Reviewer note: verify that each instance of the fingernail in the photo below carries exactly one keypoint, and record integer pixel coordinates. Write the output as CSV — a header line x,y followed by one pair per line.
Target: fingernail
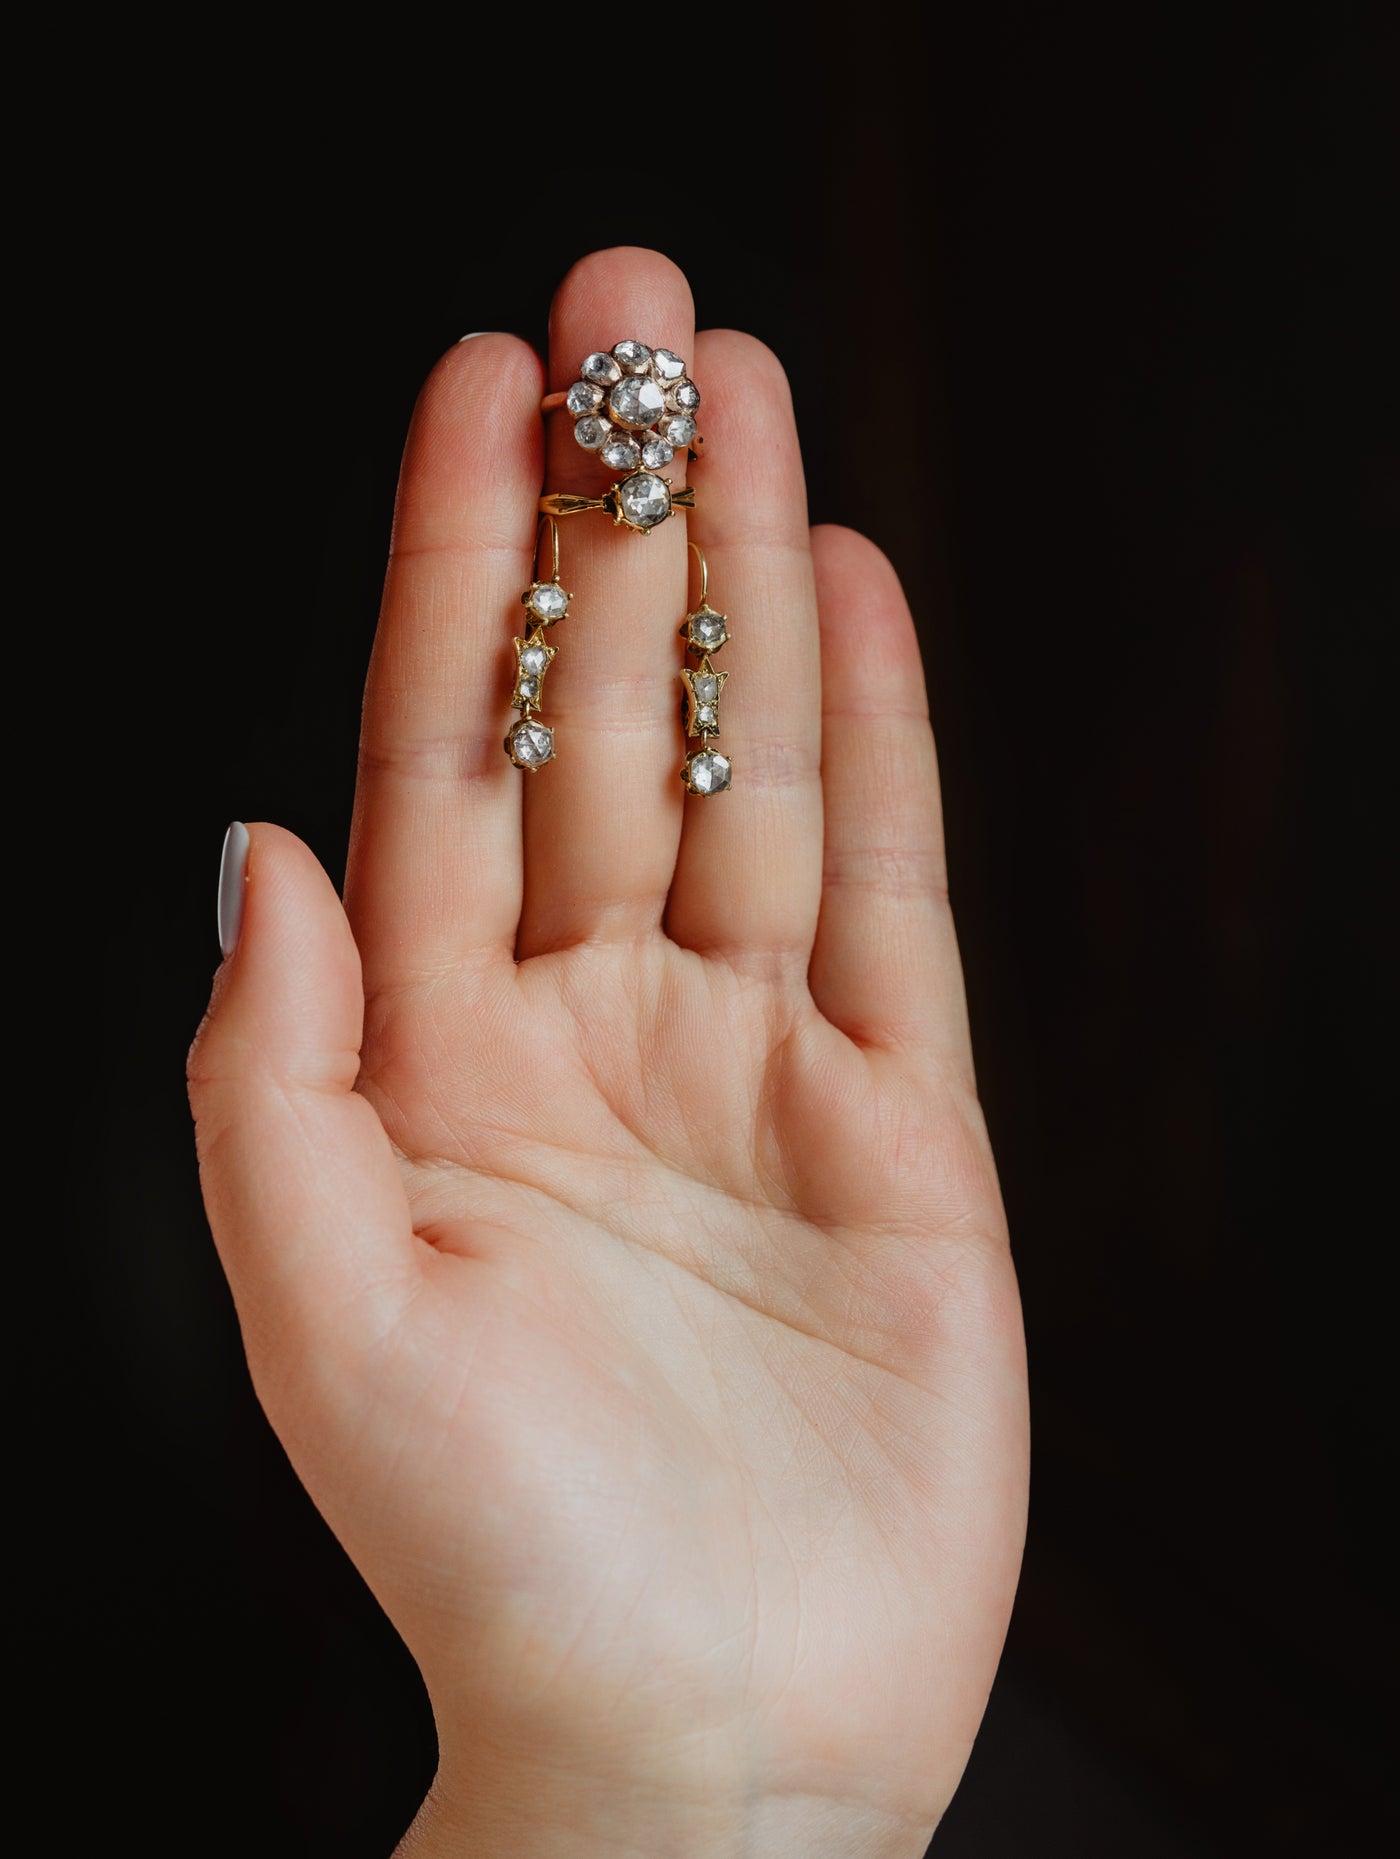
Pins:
x,y
232,866
472,335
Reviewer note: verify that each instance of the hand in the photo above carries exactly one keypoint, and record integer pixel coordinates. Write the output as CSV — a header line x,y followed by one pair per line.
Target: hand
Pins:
x,y
603,1189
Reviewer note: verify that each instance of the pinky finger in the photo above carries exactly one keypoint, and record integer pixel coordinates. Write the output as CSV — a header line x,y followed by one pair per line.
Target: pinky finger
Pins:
x,y
885,966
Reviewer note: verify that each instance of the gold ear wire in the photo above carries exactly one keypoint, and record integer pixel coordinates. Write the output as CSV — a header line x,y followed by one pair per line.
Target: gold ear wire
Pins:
x,y
699,555
554,547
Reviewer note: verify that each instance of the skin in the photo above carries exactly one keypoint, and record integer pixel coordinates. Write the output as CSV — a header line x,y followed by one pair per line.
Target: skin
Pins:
x,y
603,1186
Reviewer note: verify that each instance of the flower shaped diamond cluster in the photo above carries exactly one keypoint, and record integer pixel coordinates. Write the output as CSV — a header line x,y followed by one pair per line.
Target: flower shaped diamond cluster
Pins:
x,y
634,407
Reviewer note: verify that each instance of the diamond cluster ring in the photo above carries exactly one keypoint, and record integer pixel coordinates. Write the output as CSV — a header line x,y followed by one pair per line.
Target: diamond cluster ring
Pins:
x,y
634,409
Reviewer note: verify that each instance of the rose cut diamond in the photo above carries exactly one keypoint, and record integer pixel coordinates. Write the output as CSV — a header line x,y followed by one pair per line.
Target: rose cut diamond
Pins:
x,y
632,357
533,659
707,629
530,689
645,501
548,601
601,368
621,455
591,432
583,396
636,402
531,743
684,397
656,453
678,428
666,365
707,771
706,715
706,688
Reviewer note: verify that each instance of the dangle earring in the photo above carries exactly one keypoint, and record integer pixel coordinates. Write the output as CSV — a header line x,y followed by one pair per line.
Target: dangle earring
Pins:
x,y
707,769
530,743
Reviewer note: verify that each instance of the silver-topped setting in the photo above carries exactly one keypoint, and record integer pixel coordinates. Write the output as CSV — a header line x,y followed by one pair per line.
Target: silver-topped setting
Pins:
x,y
592,432
621,454
601,368
636,402
636,393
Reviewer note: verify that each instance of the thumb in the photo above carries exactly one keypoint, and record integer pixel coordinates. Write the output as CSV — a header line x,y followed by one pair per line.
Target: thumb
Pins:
x,y
300,1183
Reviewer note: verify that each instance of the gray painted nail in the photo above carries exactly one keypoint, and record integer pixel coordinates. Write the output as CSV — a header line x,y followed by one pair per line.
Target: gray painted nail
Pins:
x,y
232,865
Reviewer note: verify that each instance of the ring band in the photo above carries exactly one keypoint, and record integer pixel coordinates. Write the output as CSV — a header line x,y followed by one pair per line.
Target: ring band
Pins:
x,y
639,502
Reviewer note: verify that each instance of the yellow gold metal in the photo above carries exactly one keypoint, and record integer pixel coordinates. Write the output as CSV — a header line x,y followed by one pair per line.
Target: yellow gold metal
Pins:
x,y
554,548
566,503
703,612
527,599
521,698
693,725
699,555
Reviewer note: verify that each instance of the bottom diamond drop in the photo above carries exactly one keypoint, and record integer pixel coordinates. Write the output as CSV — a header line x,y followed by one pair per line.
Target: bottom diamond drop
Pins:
x,y
530,744
706,772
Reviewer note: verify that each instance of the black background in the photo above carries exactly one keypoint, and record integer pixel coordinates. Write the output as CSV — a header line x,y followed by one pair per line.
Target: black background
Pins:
x,y
1088,324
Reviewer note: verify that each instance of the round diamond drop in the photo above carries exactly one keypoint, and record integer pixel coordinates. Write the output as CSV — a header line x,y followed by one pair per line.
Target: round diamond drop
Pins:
x,y
591,432
666,365
707,771
533,659
679,429
601,368
645,500
636,401
656,453
548,601
632,357
531,743
583,396
621,455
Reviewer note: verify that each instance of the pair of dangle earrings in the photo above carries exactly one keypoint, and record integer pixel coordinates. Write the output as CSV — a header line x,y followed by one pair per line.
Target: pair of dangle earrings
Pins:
x,y
634,408
530,742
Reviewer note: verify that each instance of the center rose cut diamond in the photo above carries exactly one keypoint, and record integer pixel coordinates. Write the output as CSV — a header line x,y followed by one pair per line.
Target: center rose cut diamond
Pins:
x,y
636,402
644,500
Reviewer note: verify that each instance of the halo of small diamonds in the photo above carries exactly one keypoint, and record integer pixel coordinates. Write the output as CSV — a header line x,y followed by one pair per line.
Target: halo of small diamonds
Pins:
x,y
636,395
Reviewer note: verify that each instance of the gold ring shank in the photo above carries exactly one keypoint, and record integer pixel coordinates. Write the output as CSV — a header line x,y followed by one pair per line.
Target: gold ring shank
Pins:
x,y
568,503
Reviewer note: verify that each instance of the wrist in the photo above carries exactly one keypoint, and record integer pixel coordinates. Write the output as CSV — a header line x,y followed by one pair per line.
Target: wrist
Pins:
x,y
536,1816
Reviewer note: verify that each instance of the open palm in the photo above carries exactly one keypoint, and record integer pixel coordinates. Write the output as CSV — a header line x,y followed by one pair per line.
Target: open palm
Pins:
x,y
612,1224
